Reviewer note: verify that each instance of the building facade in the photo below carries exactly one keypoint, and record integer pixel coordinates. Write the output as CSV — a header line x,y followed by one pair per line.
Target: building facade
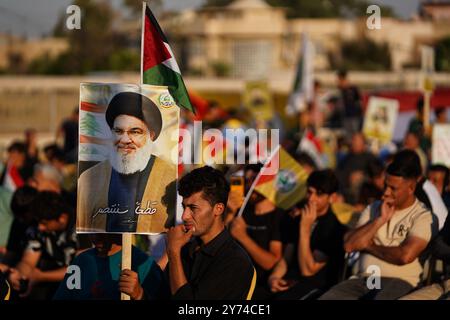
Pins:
x,y
253,39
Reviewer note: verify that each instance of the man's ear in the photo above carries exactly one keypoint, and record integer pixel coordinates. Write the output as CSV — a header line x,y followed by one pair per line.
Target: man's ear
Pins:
x,y
63,218
219,208
412,186
334,197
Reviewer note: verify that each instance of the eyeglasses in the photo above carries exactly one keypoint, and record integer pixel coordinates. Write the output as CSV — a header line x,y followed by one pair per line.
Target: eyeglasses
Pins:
x,y
135,133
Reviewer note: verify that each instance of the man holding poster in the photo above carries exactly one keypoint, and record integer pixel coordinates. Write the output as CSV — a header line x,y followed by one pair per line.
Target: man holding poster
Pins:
x,y
130,190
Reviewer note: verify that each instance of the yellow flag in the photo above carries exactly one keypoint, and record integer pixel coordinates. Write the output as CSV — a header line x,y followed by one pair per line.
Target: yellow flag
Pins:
x,y
287,186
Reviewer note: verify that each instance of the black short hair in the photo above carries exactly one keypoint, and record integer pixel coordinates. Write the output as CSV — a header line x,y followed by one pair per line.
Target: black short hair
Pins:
x,y
59,155
438,110
49,206
375,169
255,167
342,73
441,168
50,151
305,159
18,147
406,164
419,104
324,181
22,203
207,179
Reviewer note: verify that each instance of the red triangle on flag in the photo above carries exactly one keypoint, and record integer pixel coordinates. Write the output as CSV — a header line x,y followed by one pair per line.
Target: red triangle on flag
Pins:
x,y
155,52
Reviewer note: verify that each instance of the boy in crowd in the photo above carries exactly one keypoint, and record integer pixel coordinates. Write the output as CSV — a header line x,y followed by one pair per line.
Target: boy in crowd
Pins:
x,y
313,253
101,277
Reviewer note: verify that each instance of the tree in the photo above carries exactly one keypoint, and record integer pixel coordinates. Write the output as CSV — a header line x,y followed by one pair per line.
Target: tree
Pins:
x,y
136,5
362,54
97,46
91,45
317,8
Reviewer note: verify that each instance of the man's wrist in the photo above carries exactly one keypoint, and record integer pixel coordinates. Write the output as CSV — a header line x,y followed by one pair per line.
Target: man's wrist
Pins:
x,y
174,253
243,237
140,294
306,226
38,275
380,221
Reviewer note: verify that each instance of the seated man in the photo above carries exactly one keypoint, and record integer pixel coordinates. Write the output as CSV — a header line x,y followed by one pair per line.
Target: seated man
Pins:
x,y
391,234
101,277
440,250
204,261
50,249
314,254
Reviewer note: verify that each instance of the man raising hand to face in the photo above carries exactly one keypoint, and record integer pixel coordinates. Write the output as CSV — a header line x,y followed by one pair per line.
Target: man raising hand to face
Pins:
x,y
204,261
390,234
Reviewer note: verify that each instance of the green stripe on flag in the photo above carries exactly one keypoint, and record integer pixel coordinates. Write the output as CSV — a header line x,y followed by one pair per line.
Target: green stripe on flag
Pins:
x,y
161,75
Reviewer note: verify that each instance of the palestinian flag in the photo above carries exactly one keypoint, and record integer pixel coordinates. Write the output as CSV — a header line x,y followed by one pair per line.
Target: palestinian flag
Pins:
x,y
159,66
285,187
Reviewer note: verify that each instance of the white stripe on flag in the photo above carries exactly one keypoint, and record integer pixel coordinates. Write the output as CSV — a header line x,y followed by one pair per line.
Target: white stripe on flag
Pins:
x,y
171,63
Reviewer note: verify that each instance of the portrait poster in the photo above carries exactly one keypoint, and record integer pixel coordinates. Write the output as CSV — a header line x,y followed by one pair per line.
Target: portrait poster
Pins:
x,y
380,118
128,157
440,150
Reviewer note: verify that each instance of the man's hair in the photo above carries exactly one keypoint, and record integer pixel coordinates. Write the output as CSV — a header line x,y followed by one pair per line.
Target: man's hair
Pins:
x,y
22,202
305,159
255,167
49,172
375,169
49,206
443,169
58,155
17,147
52,148
324,181
414,134
420,104
342,73
406,164
439,110
135,105
210,181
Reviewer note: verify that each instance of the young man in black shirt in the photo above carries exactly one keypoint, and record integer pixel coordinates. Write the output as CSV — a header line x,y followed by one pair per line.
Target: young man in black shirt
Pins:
x,y
313,253
204,261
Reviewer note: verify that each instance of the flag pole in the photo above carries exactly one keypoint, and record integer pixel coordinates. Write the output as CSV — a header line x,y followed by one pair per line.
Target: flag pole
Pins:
x,y
249,193
144,5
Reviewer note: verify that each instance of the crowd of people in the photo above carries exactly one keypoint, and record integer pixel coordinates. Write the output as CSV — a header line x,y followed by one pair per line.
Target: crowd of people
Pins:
x,y
382,245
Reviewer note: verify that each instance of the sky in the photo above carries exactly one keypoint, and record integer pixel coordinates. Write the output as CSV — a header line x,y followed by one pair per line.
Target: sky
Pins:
x,y
34,18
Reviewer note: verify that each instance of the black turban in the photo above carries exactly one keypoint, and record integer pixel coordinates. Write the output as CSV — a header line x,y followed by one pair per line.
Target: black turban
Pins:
x,y
136,105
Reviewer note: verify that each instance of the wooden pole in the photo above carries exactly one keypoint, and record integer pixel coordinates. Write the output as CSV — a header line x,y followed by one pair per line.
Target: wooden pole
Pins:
x,y
127,238
126,257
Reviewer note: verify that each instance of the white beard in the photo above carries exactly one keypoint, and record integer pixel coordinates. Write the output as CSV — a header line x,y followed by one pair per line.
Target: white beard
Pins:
x,y
131,163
